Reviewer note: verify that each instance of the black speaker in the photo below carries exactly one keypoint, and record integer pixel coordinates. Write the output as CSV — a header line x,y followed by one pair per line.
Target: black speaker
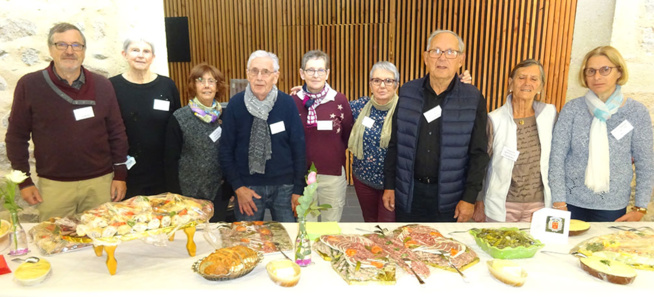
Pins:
x,y
177,39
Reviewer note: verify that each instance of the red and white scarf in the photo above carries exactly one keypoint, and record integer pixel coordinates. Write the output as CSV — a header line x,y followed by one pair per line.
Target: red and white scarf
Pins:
x,y
311,101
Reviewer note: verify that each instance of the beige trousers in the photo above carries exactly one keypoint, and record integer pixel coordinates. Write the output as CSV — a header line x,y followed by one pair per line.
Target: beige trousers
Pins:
x,y
64,198
331,190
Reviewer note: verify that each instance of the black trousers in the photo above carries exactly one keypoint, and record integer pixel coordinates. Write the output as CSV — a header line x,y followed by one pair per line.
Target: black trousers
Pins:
x,y
425,206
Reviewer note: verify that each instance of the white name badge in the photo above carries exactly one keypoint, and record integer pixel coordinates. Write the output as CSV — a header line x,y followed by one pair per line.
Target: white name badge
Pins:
x,y
215,135
622,130
277,127
550,225
161,105
510,153
433,114
130,162
368,122
83,113
325,125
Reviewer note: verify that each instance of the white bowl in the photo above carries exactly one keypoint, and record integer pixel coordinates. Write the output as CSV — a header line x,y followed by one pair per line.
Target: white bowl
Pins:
x,y
4,234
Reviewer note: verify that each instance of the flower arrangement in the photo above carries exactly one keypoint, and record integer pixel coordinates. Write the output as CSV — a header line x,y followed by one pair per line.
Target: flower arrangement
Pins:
x,y
305,207
8,193
306,204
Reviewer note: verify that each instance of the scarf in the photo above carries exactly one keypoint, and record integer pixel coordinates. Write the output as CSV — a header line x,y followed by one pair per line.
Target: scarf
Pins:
x,y
260,149
205,113
355,144
598,175
311,101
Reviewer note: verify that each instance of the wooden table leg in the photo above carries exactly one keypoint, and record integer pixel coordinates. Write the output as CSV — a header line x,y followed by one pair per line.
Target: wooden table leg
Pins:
x,y
111,260
98,250
190,244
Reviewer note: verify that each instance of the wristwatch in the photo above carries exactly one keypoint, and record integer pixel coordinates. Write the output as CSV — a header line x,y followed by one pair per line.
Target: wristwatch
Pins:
x,y
640,209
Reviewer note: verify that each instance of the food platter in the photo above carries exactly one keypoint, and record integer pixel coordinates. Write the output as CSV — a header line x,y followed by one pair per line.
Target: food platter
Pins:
x,y
635,248
233,262
266,237
506,243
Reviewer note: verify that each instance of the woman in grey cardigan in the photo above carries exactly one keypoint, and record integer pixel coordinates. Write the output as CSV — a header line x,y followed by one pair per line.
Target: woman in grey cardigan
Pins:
x,y
193,141
596,140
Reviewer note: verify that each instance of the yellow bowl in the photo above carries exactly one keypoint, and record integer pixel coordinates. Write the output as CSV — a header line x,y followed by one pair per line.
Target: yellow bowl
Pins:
x,y
284,272
4,234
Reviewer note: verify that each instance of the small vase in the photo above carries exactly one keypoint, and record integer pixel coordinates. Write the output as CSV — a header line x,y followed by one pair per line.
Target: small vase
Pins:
x,y
302,244
17,237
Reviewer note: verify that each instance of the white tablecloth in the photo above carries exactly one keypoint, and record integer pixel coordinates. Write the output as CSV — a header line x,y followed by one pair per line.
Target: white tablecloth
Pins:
x,y
147,270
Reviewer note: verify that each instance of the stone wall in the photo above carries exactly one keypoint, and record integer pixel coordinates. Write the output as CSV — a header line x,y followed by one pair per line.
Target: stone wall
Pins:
x,y
627,25
24,26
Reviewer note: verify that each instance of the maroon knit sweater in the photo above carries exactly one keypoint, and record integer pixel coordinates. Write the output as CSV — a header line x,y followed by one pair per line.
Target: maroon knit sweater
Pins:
x,y
326,149
66,149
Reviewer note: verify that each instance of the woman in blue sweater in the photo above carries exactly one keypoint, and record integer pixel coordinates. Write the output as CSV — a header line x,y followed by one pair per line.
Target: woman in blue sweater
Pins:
x,y
596,140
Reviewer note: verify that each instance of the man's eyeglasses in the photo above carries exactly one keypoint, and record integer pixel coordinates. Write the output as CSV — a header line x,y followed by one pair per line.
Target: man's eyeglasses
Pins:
x,y
379,81
450,53
264,72
604,71
62,46
211,81
311,72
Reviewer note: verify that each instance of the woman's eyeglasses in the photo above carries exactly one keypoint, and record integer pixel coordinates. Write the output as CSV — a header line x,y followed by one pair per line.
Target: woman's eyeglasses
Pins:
x,y
604,71
379,81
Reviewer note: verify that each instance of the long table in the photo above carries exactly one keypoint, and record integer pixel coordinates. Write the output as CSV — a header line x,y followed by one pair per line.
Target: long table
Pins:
x,y
148,270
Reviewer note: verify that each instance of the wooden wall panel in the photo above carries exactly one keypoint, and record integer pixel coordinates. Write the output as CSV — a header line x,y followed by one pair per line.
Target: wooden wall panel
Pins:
x,y
357,33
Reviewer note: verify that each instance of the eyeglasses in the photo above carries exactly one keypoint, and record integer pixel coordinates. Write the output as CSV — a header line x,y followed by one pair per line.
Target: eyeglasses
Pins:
x,y
604,71
62,46
311,72
211,81
379,81
450,53
264,72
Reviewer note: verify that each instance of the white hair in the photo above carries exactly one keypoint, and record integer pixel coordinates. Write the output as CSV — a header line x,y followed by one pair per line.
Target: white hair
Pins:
x,y
136,38
388,66
264,54
462,46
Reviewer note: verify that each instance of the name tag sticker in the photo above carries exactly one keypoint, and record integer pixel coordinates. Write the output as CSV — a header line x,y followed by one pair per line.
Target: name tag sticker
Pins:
x,y
433,114
161,105
83,113
325,125
277,127
510,154
368,122
130,162
621,130
215,135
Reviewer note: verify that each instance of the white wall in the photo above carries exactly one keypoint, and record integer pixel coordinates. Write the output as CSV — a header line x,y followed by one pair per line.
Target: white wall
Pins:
x,y
24,26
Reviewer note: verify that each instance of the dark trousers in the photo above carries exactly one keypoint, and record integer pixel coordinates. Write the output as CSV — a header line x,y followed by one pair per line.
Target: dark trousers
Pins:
x,y
372,206
425,206
595,215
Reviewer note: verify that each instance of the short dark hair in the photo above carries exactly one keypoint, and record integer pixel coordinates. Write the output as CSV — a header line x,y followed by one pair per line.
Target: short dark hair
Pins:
x,y
198,71
61,28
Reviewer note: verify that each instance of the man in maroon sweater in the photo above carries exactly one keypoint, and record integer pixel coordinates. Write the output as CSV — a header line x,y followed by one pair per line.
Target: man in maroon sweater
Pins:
x,y
73,118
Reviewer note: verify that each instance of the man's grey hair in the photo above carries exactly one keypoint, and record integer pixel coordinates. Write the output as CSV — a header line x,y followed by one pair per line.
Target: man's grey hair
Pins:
x,y
264,54
462,46
61,28
137,38
315,54
385,65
